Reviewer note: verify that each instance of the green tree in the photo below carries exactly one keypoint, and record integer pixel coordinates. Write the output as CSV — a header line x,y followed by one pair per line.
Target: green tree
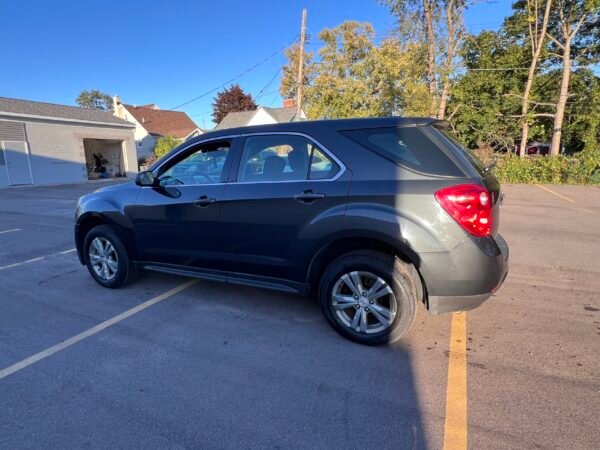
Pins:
x,y
486,98
289,78
95,99
164,145
417,20
229,100
353,77
574,32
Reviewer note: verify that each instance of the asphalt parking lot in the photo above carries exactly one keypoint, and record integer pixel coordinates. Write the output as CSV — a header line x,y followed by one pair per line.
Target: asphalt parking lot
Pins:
x,y
216,366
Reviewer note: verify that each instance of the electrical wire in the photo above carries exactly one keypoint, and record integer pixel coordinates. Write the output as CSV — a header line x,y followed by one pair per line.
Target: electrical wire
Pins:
x,y
250,69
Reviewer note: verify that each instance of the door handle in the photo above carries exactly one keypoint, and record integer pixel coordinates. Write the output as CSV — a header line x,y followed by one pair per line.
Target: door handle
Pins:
x,y
308,196
204,201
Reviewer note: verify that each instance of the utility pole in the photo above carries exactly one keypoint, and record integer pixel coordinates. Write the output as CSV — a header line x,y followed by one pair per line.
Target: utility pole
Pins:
x,y
300,79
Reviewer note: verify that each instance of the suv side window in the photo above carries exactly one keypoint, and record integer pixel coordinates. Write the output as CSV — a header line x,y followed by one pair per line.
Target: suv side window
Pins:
x,y
283,158
407,146
203,166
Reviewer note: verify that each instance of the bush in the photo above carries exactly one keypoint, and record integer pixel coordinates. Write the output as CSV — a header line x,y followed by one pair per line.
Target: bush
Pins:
x,y
164,145
582,169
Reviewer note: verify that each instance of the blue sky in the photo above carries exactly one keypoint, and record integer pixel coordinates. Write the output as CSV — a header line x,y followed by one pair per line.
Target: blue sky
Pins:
x,y
169,52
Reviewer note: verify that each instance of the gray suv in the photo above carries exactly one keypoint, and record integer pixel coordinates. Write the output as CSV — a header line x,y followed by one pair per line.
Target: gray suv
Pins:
x,y
372,216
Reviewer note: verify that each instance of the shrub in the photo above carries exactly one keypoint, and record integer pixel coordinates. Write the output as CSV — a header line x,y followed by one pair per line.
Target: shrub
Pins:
x,y
164,145
581,169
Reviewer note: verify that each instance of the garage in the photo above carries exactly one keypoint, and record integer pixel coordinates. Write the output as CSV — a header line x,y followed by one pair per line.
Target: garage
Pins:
x,y
45,144
103,158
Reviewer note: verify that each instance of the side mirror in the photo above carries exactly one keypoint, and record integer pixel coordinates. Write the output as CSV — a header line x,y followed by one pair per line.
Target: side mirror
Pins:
x,y
145,179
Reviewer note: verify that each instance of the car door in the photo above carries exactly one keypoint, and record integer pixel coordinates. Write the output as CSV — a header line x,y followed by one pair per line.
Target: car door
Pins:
x,y
176,221
286,195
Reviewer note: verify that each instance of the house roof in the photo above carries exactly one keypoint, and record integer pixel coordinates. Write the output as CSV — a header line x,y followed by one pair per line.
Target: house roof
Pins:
x,y
28,108
242,118
162,123
282,115
235,119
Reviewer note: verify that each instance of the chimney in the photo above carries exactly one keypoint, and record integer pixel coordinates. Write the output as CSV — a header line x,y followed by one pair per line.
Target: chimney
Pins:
x,y
289,102
116,100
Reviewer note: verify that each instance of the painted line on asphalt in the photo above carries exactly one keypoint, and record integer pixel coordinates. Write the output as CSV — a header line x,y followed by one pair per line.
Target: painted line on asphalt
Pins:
x,y
455,425
39,258
555,193
92,331
11,231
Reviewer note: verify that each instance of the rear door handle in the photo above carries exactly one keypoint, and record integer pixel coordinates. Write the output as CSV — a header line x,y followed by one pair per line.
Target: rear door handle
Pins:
x,y
204,201
308,196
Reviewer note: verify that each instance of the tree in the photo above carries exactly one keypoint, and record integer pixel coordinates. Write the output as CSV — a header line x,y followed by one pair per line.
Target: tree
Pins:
x,y
356,78
164,145
485,99
95,99
454,33
536,28
289,78
568,18
423,13
229,100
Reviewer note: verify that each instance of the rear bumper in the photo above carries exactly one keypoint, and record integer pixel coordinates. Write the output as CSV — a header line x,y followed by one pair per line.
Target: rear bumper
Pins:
x,y
467,276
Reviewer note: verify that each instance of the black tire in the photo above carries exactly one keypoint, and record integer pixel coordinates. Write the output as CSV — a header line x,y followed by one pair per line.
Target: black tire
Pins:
x,y
126,271
399,276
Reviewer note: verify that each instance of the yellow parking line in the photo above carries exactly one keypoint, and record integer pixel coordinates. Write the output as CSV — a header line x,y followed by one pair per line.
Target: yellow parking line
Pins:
x,y
86,334
555,193
455,425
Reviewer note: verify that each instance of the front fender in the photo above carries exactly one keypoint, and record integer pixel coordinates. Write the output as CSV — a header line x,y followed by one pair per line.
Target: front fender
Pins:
x,y
105,208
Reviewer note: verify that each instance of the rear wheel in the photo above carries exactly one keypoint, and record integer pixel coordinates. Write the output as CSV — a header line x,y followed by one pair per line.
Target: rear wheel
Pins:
x,y
107,259
369,297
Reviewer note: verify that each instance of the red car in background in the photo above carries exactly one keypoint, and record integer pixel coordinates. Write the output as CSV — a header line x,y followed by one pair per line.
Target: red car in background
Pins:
x,y
538,149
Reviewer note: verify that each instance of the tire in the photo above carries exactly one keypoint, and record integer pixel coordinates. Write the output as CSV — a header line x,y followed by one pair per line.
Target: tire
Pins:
x,y
396,291
117,275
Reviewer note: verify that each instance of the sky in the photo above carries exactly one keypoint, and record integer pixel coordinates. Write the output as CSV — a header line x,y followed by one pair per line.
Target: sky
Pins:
x,y
169,52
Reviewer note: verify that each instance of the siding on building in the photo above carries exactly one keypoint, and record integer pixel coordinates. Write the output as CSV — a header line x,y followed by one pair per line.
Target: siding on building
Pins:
x,y
56,150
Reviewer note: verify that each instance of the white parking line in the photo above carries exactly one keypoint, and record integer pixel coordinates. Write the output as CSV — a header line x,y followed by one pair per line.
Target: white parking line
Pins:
x,y
81,336
39,258
11,231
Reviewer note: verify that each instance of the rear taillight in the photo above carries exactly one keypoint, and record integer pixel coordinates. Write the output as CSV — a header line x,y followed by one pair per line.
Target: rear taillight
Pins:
x,y
470,205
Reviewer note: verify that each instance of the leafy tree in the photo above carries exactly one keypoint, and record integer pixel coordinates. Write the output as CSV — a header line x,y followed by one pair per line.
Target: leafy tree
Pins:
x,y
485,99
537,24
229,100
438,26
164,145
95,99
417,19
574,32
289,78
356,78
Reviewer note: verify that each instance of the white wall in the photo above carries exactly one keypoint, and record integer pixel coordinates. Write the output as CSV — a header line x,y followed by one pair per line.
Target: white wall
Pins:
x,y
261,117
57,154
144,141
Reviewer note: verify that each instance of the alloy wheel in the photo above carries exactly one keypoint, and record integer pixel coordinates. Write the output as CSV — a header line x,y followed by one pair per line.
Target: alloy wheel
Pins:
x,y
103,258
363,302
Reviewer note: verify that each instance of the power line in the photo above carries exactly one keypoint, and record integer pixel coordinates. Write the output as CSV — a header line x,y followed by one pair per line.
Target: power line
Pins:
x,y
261,92
250,69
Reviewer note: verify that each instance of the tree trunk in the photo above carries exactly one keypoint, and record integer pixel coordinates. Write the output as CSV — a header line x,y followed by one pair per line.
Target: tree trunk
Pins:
x,y
449,58
428,10
537,44
562,99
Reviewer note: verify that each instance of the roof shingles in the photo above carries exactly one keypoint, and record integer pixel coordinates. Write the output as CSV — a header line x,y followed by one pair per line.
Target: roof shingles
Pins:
x,y
10,106
162,123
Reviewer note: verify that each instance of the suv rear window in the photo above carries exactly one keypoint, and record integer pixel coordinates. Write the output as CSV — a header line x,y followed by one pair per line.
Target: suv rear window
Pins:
x,y
409,147
474,160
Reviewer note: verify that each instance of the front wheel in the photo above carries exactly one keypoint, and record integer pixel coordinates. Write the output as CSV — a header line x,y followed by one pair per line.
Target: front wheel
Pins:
x,y
369,297
107,259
